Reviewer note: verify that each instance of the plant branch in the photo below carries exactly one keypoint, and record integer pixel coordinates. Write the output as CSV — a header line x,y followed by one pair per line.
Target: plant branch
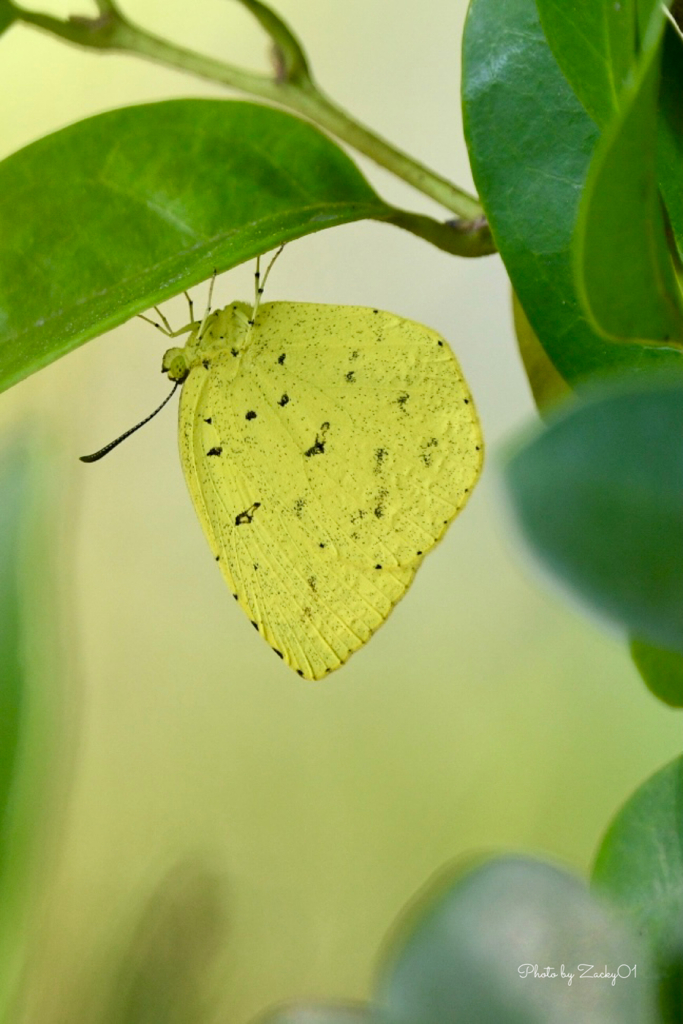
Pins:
x,y
292,87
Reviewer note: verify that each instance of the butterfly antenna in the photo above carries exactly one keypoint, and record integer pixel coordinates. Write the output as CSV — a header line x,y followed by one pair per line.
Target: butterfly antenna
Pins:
x,y
260,285
112,444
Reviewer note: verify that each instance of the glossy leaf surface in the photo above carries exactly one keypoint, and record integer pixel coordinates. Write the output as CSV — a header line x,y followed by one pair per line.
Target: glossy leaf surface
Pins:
x,y
118,212
530,143
624,270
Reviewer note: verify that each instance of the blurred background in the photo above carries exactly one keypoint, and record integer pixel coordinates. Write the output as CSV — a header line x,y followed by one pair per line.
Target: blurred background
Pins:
x,y
487,715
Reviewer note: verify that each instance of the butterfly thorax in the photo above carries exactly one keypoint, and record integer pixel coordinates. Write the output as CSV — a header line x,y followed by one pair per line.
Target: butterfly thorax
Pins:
x,y
224,330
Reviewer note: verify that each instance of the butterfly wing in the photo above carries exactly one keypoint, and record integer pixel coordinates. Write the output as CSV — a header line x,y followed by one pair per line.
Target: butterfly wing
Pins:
x,y
325,468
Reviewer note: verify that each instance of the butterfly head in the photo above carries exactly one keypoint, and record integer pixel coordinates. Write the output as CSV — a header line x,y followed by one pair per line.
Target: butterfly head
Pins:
x,y
176,364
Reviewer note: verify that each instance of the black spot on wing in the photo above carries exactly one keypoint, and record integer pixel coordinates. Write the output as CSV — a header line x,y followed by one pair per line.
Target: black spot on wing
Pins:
x,y
381,500
251,415
206,364
247,515
254,624
427,455
215,451
401,401
282,358
350,377
318,448
234,351
284,400
279,653
208,420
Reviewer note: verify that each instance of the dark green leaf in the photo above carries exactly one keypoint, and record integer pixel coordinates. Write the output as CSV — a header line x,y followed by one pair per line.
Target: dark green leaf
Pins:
x,y
118,212
624,270
530,143
640,861
7,16
594,44
670,135
459,959
600,497
662,671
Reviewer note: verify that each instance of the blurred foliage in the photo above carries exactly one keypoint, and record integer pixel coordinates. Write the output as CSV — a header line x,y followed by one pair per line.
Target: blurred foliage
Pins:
x,y
640,866
607,515
662,671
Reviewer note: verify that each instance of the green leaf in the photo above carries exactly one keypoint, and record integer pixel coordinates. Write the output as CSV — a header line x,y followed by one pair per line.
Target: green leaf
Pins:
x,y
662,671
116,213
594,44
530,143
670,135
158,970
459,958
324,1013
599,495
547,387
624,269
18,809
640,861
8,15
14,490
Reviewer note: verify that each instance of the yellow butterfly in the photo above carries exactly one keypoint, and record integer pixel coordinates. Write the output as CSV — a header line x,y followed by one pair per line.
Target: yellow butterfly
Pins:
x,y
326,449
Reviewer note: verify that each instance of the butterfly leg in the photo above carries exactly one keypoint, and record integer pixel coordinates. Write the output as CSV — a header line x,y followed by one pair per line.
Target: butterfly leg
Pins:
x,y
164,330
208,304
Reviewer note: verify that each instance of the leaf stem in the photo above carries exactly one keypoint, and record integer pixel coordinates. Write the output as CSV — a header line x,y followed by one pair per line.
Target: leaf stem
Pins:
x,y
292,87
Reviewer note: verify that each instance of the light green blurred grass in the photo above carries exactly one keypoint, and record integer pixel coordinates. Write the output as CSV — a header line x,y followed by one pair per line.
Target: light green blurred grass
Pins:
x,y
485,715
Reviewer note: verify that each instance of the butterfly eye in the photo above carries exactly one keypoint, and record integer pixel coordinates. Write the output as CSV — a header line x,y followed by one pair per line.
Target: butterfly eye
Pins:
x,y
174,364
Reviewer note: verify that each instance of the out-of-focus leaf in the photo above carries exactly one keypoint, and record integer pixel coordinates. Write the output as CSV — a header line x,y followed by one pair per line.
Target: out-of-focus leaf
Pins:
x,y
662,671
530,143
670,134
324,1013
594,44
468,953
624,269
640,867
599,495
7,17
13,507
118,212
159,973
547,386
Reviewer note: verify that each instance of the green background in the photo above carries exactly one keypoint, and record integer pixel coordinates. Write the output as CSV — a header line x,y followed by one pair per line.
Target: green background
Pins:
x,y
487,714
